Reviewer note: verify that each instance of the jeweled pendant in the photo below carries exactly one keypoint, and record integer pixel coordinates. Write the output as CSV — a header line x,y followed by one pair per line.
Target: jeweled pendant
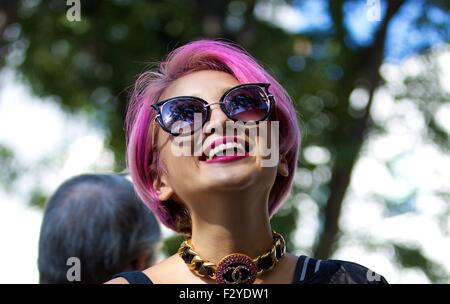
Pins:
x,y
236,268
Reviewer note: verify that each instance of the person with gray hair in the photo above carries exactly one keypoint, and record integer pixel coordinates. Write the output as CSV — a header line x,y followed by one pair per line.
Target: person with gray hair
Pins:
x,y
98,222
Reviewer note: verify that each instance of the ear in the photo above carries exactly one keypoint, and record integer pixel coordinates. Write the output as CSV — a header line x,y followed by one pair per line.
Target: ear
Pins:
x,y
283,167
162,188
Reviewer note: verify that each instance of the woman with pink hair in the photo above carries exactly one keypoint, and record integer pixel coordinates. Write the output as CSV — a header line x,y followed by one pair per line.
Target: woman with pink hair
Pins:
x,y
213,143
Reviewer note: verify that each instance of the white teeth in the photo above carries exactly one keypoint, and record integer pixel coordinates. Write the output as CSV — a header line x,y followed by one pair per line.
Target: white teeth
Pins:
x,y
224,147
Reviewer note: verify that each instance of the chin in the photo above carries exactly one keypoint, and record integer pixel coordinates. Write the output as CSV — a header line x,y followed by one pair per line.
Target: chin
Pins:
x,y
231,178
238,177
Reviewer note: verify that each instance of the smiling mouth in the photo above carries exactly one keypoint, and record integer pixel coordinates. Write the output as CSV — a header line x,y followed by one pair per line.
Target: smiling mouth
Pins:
x,y
225,152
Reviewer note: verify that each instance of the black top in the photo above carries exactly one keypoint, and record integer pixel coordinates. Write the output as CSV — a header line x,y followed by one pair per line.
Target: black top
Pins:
x,y
307,271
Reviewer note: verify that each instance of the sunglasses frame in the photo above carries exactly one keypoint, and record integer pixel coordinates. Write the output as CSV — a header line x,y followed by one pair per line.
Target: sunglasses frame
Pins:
x,y
271,103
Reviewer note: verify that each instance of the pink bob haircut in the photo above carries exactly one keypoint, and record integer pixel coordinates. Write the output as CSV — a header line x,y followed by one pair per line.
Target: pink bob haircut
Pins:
x,y
143,159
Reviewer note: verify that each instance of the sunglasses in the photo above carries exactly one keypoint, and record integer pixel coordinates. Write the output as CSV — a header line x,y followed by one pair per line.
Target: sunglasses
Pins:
x,y
249,102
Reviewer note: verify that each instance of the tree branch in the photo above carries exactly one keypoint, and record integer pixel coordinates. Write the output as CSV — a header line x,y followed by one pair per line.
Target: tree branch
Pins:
x,y
369,64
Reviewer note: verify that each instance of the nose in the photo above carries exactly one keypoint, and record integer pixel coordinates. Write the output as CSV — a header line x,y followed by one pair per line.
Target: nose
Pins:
x,y
217,119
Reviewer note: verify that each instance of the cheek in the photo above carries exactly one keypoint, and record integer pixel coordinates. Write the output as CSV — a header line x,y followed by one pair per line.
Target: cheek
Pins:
x,y
180,168
175,153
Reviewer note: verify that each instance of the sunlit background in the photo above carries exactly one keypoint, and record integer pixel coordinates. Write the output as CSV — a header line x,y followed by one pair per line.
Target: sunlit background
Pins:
x,y
372,92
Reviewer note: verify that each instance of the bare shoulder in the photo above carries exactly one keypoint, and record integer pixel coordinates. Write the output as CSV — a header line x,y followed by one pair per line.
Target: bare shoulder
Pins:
x,y
117,281
172,270
169,270
291,257
165,270
156,273
164,265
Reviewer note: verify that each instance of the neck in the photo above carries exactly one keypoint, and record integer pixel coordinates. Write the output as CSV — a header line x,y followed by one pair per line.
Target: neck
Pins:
x,y
226,225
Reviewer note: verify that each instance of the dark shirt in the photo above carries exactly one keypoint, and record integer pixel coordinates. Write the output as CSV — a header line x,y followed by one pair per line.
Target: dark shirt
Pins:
x,y
307,271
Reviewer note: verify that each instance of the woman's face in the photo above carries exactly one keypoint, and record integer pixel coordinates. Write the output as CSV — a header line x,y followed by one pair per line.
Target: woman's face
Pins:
x,y
190,176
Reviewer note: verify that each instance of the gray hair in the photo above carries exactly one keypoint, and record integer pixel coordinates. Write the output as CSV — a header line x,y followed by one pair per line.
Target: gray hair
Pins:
x,y
99,219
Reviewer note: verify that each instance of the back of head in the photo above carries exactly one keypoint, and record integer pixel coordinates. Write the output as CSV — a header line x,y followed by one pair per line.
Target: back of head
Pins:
x,y
99,220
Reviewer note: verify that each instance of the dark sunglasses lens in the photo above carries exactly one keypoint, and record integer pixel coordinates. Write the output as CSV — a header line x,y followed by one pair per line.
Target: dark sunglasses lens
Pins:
x,y
178,115
248,103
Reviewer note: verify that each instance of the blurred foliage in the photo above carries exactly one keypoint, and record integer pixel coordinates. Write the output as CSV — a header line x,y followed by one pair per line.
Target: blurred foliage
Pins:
x,y
425,90
9,168
285,222
88,67
171,244
38,198
413,257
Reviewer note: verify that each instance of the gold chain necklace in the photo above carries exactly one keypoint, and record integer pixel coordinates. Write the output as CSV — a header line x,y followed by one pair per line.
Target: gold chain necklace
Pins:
x,y
235,268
